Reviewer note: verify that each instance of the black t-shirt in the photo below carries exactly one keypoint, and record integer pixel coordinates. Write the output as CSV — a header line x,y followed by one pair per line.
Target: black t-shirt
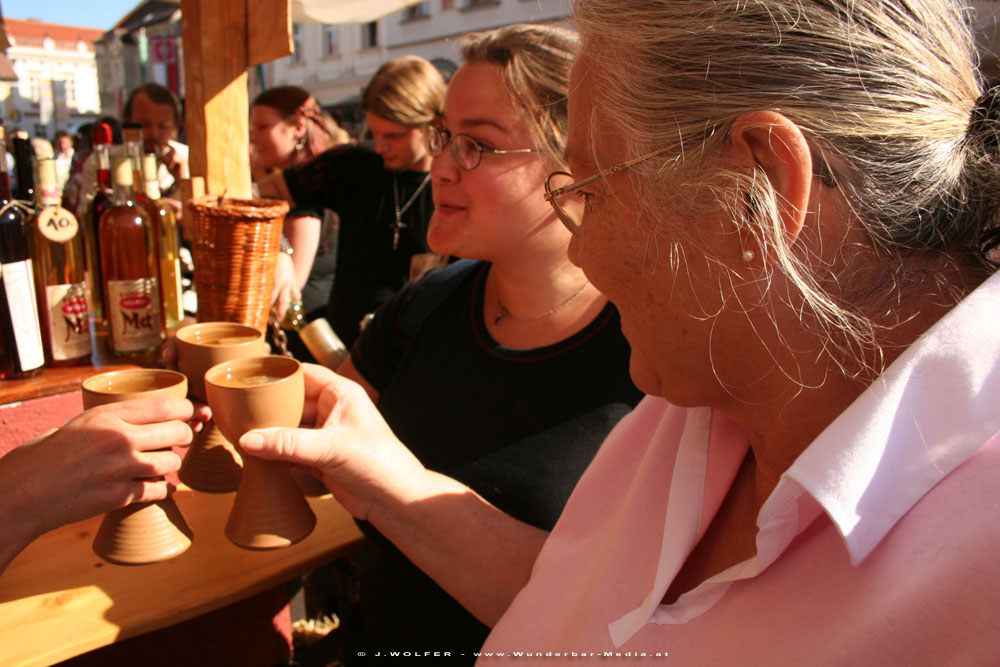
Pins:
x,y
354,183
517,426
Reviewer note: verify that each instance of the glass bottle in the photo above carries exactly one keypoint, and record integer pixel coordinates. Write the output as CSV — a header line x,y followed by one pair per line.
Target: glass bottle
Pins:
x,y
21,352
24,169
169,244
91,220
132,134
128,258
60,264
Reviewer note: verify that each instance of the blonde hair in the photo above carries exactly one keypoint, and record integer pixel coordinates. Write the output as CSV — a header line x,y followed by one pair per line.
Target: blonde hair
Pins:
x,y
407,90
535,62
882,89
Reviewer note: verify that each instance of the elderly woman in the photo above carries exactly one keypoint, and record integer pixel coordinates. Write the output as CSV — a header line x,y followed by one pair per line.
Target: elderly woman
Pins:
x,y
794,207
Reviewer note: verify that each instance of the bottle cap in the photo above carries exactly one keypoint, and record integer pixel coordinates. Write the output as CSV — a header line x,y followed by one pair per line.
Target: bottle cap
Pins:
x,y
46,168
149,167
101,134
132,132
122,170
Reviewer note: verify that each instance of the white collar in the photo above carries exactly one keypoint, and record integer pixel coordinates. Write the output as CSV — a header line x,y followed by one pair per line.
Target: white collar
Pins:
x,y
931,409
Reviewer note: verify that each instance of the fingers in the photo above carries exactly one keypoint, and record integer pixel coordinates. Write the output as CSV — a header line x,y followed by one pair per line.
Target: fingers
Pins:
x,y
149,410
303,446
161,435
168,352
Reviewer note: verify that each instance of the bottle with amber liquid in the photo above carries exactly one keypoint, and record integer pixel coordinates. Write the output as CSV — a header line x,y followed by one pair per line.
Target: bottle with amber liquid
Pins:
x,y
91,220
60,264
169,244
132,134
129,262
21,352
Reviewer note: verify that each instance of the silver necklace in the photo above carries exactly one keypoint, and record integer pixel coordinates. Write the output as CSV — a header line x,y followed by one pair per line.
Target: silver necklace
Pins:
x,y
506,314
398,225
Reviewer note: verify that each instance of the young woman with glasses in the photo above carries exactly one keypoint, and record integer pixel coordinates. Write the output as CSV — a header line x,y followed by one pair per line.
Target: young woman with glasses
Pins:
x,y
500,374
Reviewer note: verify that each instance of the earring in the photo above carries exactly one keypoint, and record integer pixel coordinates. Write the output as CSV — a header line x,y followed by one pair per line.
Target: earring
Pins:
x,y
749,255
300,144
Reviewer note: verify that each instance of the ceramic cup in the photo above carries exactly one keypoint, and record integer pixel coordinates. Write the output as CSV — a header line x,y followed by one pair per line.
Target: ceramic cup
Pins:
x,y
139,533
270,511
212,463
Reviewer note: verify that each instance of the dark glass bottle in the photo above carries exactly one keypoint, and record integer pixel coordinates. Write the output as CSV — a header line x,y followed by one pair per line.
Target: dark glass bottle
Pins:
x,y
128,257
21,352
24,168
60,273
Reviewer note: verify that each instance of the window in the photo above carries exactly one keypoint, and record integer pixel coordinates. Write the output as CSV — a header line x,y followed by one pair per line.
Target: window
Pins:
x,y
476,4
447,4
331,40
30,88
369,35
417,12
296,56
70,85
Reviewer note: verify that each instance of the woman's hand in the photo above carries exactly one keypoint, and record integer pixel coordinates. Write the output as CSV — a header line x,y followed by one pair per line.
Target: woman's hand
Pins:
x,y
286,287
352,449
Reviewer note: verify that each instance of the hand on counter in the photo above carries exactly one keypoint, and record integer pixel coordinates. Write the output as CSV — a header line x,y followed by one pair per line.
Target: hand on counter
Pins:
x,y
100,460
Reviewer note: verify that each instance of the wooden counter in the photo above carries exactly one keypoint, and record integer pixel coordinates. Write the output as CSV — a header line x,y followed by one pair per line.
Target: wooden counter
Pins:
x,y
58,600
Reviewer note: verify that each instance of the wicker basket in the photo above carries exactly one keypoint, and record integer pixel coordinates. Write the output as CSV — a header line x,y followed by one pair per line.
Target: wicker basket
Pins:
x,y
235,249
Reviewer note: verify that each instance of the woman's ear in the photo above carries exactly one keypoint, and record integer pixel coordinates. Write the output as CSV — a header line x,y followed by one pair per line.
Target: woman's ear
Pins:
x,y
769,141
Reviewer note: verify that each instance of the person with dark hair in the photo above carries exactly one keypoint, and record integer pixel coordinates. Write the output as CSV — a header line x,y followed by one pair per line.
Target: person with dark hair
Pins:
x,y
383,197
288,127
155,108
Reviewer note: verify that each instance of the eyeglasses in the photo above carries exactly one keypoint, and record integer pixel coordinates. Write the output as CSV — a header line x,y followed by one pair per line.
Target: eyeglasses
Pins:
x,y
554,188
467,151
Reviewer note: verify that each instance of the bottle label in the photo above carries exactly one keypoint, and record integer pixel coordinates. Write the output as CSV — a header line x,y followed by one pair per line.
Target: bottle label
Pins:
x,y
134,314
69,329
19,283
57,224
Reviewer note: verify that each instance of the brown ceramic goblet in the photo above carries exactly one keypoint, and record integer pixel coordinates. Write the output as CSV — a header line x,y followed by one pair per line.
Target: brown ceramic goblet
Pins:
x,y
212,463
139,533
270,511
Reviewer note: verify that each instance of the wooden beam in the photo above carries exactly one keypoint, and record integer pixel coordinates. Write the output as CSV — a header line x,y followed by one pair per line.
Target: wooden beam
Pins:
x,y
269,30
215,63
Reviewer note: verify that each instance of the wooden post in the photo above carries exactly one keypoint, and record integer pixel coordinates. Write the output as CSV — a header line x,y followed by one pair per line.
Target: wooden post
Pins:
x,y
217,53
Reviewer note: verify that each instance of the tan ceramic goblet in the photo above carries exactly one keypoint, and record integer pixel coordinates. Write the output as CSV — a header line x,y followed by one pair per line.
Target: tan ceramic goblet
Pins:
x,y
212,463
270,511
139,533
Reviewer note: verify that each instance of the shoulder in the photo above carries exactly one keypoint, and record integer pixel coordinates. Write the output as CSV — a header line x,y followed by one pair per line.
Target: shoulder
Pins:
x,y
435,287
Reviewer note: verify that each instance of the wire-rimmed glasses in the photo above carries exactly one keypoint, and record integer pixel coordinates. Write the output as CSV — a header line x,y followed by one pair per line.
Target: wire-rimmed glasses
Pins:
x,y
560,183
468,152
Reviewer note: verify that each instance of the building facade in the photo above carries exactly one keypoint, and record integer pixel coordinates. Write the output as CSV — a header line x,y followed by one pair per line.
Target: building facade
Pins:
x,y
56,87
335,62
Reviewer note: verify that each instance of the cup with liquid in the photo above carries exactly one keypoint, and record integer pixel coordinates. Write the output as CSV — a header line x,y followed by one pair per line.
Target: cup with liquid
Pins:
x,y
146,532
212,463
270,510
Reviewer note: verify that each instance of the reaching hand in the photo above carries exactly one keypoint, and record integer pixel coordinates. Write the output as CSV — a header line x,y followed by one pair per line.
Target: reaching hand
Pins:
x,y
352,448
102,459
286,288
